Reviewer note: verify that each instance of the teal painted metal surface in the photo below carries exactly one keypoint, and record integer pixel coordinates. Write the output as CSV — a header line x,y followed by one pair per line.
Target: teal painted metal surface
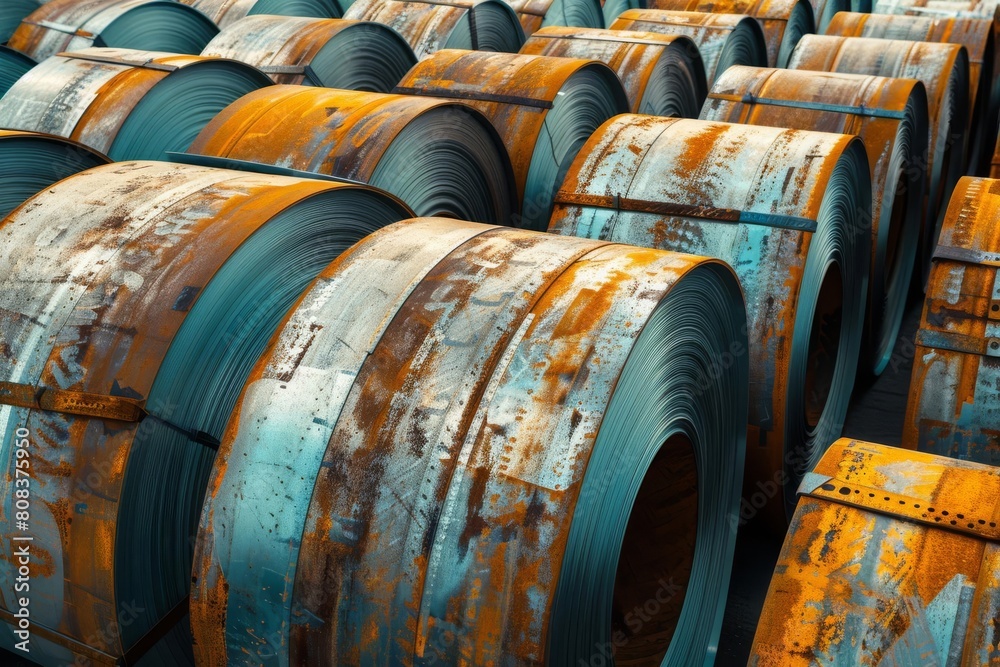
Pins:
x,y
13,65
157,286
11,13
712,188
471,443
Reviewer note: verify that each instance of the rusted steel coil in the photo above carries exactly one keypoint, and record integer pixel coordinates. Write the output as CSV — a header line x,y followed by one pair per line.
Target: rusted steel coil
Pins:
x,y
438,156
952,409
227,12
13,65
987,9
723,40
791,211
128,104
430,25
537,14
469,445
544,108
783,22
976,35
892,558
151,25
11,13
30,162
136,299
663,75
332,53
890,116
944,71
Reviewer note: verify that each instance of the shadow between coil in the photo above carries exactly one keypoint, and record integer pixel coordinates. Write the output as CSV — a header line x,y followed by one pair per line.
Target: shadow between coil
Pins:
x,y
464,465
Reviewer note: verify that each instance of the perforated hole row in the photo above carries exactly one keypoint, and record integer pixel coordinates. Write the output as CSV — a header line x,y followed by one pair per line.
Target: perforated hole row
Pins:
x,y
929,513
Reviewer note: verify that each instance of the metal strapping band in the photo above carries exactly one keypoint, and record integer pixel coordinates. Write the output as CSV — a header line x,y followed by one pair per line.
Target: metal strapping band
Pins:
x,y
148,64
942,340
300,70
961,520
88,652
750,98
254,167
619,203
63,28
967,256
156,633
614,40
472,95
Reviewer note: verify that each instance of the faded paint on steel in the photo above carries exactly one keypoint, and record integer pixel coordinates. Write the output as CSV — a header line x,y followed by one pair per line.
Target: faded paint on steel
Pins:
x,y
892,557
638,58
954,407
773,16
874,109
981,9
94,269
709,169
713,34
227,12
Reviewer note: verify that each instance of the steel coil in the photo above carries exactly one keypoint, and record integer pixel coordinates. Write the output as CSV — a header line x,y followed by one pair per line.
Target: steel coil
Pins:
x,y
13,65
150,25
31,162
790,210
137,297
438,156
952,408
544,108
474,436
723,40
11,13
944,71
537,14
430,25
227,12
891,559
331,53
663,75
890,116
976,35
784,22
995,164
128,104
977,9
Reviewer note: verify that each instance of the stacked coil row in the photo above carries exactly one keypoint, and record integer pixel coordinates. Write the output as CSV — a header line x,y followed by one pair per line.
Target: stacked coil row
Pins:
x,y
450,332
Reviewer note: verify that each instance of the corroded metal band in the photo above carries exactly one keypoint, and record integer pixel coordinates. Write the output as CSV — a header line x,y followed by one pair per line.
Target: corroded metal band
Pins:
x,y
118,408
750,98
475,95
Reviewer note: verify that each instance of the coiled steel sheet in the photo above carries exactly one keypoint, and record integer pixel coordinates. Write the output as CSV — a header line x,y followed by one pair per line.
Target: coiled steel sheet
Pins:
x,y
13,65
663,75
892,558
476,420
976,35
227,12
944,71
30,162
783,22
723,40
150,25
137,298
790,210
331,53
544,108
128,104
890,116
438,156
982,9
954,408
431,25
537,14
11,13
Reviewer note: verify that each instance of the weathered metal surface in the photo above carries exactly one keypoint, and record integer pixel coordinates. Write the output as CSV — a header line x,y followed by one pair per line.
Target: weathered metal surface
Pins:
x,y
954,409
892,558
431,25
439,156
30,162
790,210
538,14
456,443
332,53
976,35
109,99
227,12
544,108
982,9
723,40
110,289
73,25
890,117
784,22
944,71
663,75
